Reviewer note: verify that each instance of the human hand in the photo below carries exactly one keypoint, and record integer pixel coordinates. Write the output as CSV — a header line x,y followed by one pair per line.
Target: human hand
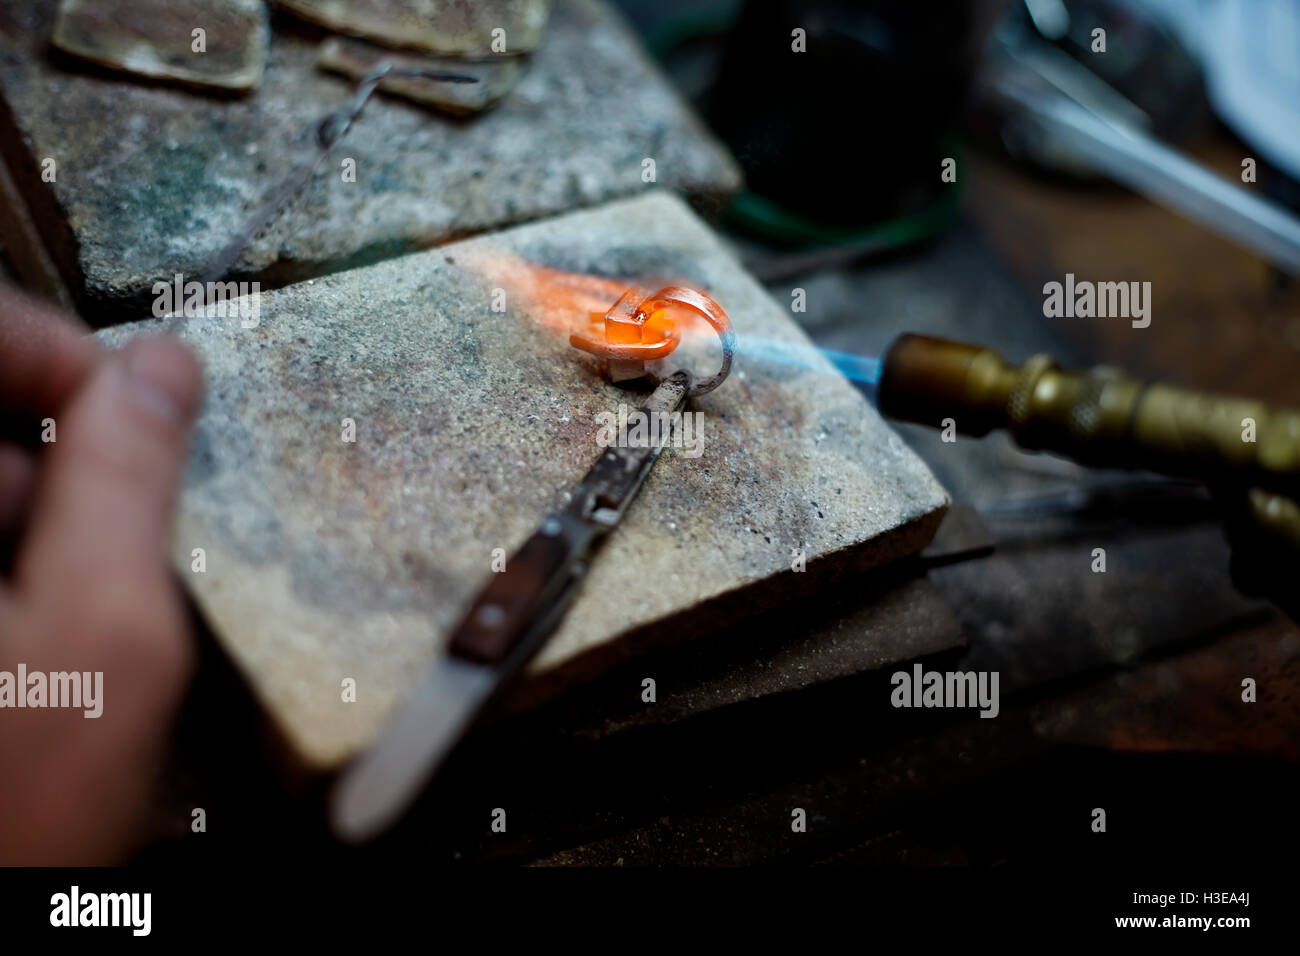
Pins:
x,y
88,517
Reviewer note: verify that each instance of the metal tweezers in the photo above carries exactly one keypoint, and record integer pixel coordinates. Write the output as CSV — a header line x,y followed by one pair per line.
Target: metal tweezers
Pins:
x,y
506,625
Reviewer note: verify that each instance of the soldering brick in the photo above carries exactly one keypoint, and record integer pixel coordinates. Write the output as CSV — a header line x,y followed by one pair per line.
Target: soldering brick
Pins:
x,y
155,179
328,560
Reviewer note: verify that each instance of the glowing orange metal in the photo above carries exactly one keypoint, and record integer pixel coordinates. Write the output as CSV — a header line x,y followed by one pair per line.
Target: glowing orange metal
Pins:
x,y
629,332
638,328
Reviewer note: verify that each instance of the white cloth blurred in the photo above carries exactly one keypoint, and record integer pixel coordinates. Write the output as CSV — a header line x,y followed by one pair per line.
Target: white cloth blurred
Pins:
x,y
1250,51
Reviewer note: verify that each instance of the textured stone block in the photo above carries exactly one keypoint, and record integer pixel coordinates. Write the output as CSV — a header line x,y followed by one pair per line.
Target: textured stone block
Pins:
x,y
329,560
154,180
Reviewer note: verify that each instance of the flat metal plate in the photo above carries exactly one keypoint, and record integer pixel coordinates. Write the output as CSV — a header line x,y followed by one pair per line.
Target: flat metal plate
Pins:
x,y
218,43
462,27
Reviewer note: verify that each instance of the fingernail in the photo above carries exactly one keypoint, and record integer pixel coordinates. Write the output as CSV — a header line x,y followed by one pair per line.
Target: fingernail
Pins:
x,y
162,379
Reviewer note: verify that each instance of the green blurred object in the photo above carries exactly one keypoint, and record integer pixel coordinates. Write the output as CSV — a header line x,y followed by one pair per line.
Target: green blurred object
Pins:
x,y
766,218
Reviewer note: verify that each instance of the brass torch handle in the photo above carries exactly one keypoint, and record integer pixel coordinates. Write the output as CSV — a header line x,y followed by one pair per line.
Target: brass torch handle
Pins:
x,y
1097,416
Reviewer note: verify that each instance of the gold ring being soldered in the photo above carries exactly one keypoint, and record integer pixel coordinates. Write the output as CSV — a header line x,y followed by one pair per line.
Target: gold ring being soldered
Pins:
x,y
677,296
633,311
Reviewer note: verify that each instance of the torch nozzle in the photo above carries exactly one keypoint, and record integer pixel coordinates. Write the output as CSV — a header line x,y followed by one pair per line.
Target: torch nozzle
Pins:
x,y
1098,416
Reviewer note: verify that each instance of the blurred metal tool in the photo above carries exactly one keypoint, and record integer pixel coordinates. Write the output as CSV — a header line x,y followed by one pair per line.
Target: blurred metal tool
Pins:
x,y
332,128
1245,452
1054,107
506,625
1099,417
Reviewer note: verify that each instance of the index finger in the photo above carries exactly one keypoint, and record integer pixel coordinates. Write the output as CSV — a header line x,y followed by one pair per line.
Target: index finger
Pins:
x,y
45,355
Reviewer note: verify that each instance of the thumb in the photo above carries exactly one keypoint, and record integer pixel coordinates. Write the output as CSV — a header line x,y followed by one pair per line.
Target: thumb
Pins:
x,y
94,594
102,517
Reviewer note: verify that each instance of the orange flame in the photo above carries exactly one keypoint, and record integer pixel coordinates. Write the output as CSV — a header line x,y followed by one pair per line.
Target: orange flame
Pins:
x,y
555,299
565,302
